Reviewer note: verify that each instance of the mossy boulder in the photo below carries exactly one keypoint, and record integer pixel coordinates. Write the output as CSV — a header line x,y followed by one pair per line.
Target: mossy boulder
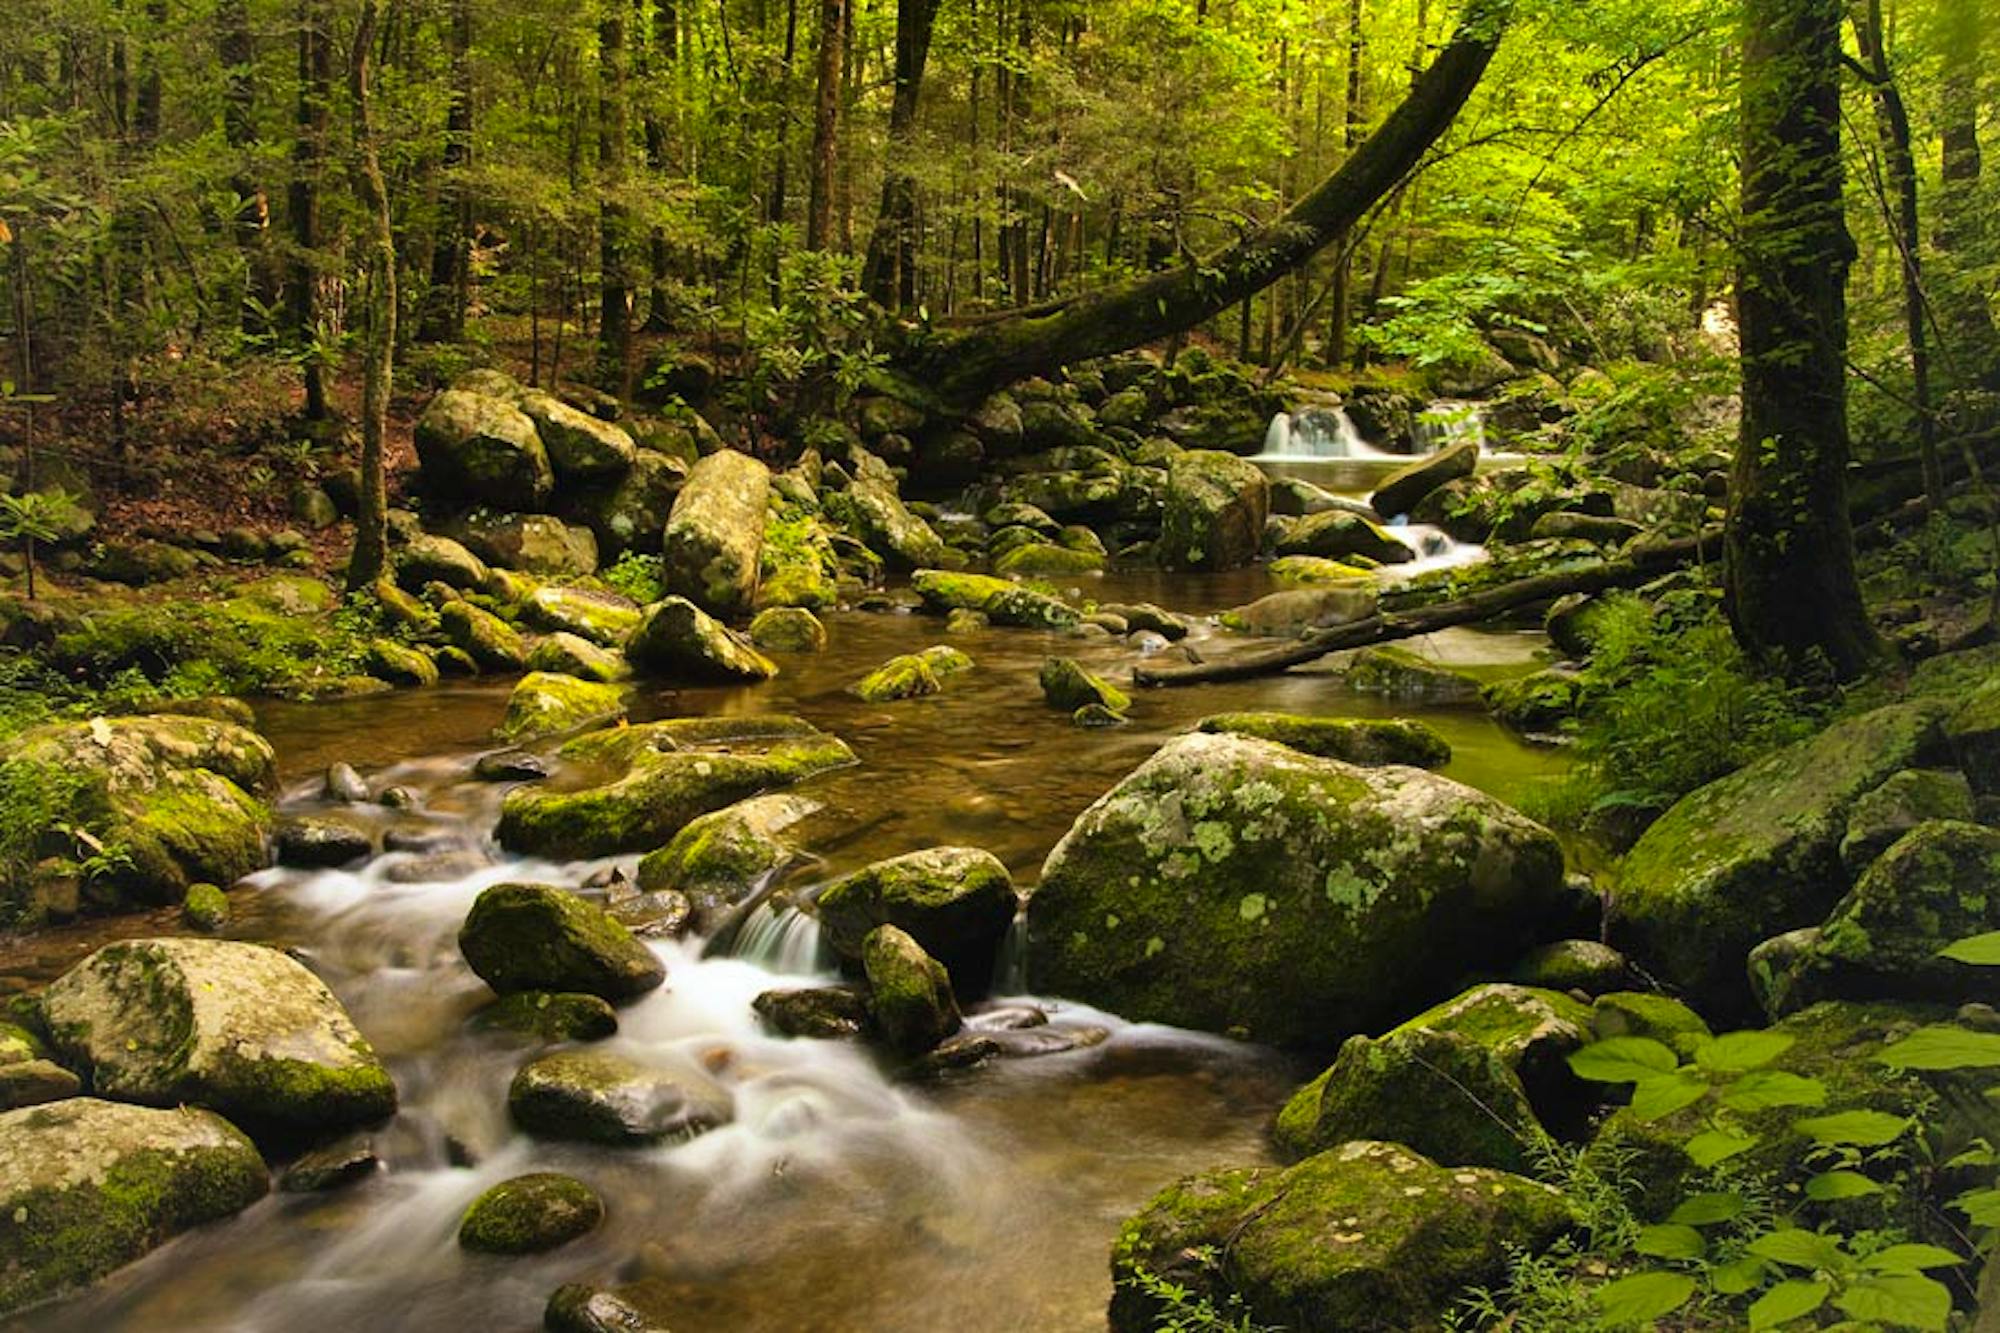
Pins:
x,y
1293,612
551,1016
479,449
1440,1093
1406,676
1045,560
957,902
1902,802
400,664
820,1012
1338,535
1357,740
871,509
656,778
631,512
580,447
909,992
1215,512
604,618
36,1083
1940,882
1001,602
536,937
140,562
1237,885
1539,702
721,858
206,908
603,1097
1575,965
906,677
87,1186
715,536
530,1214
1756,853
1401,490
801,568
546,703
1366,1238
1318,571
1648,1014
570,656
1973,732
1533,1032
788,629
486,638
1068,686
679,639
239,1028
1575,623
426,558
538,544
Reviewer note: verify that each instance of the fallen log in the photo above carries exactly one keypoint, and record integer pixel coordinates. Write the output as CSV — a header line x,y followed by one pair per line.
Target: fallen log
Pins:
x,y
1629,570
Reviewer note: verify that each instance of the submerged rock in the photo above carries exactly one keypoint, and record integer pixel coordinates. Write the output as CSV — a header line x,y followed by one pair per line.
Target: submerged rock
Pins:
x,y
599,1097
577,1308
958,903
332,1165
823,1012
530,1214
1068,686
1353,739
1001,602
545,703
715,537
536,937
678,639
909,992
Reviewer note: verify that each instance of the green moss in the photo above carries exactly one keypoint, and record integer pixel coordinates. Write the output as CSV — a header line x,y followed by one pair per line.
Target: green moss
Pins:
x,y
956,902
1309,570
677,638
1355,740
547,704
205,908
910,994
600,618
489,640
1044,559
1067,686
788,629
530,1214
1643,1014
1002,603
906,677
535,937
1402,674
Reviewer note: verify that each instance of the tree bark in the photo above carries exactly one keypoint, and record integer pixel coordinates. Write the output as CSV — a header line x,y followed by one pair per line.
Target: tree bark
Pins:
x,y
666,47
889,273
239,130
451,257
308,162
614,323
826,124
1962,305
1792,595
1343,259
370,560
1129,314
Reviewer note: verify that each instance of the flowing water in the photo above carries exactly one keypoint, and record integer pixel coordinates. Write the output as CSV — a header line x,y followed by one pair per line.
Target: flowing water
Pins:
x,y
839,1198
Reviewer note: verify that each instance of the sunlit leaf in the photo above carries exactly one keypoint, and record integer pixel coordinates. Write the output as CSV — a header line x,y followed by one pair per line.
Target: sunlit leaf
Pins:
x,y
1864,1129
1622,1060
1943,1046
1906,1300
1738,1275
1643,1297
1701,1210
1664,1094
1670,1240
1981,1206
1735,1052
1763,1089
1979,950
1789,1300
1828,1186
1800,1248
1911,1259
1718,1145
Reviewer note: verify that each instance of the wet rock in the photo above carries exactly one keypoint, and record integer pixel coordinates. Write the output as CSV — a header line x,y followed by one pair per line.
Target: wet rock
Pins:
x,y
437,867
788,629
1403,675
571,656
872,511
236,1027
720,859
1002,603
35,1083
425,559
547,704
905,677
206,908
958,903
551,1016
909,992
1067,686
962,621
399,664
1903,801
823,1012
598,1097
535,937
477,449
1400,491
1145,618
1291,613
488,640
530,1214
509,766
603,618
87,1186
1338,535
342,1162
581,1309
1044,560
1575,965
678,639
961,1050
1356,740
1216,505
307,843
1096,715
715,536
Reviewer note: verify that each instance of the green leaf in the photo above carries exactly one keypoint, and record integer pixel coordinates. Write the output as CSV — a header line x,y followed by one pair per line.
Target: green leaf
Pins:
x,y
1735,1052
1943,1046
1643,1297
1866,1129
1664,1094
1670,1240
1979,950
1982,1206
1700,1210
1800,1248
1763,1089
1830,1185
1791,1299
1622,1060
1907,1300
1911,1259
1718,1145
1738,1275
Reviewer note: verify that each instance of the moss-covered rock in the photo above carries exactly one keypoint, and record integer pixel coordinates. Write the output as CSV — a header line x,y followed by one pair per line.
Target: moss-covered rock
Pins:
x,y
1575,965
1532,1031
36,1083
530,1214
658,777
679,639
1576,622
139,562
957,902
205,908
1067,686
1401,490
1357,740
479,449
1233,884
821,1012
906,677
1338,535
600,1097
538,544
1538,703
1756,853
1001,602
1939,883
1367,1238
1902,802
400,664
580,447
425,559
801,568
1973,732
871,509
788,629
551,1016
604,618
1045,560
486,638
310,843
909,992
1404,675
1646,1014
715,536
720,859
536,937
236,1027
1216,507
630,513
545,703
87,1186
568,655
1295,611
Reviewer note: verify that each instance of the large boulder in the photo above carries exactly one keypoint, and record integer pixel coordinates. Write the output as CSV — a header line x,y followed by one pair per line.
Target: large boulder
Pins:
x,y
603,1097
1907,799
484,637
477,449
630,514
237,1027
87,1186
1237,885
605,618
1336,535
1294,611
1367,1238
427,558
716,533
871,509
1401,490
568,655
909,992
1756,853
656,778
677,638
1001,602
957,902
1357,740
722,858
581,448
1216,507
548,703
536,937
531,543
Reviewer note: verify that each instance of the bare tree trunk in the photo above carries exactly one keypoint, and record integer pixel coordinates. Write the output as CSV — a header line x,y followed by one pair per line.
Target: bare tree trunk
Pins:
x,y
308,163
451,257
370,560
666,47
826,124
889,274
1962,301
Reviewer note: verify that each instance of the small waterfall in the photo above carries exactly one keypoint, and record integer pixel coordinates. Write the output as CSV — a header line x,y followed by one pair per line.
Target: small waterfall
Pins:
x,y
1447,422
785,941
1316,432
1010,972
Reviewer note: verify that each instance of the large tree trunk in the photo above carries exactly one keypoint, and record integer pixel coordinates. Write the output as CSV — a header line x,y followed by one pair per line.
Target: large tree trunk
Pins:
x,y
1158,305
614,288
239,129
308,161
1793,598
451,256
1962,306
889,274
826,123
370,560
665,46
1343,259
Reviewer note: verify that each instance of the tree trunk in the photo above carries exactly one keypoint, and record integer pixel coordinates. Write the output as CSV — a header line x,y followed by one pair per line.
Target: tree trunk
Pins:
x,y
666,47
1792,595
1962,306
451,257
889,274
614,321
308,162
370,560
826,123
1343,260
239,129
1155,306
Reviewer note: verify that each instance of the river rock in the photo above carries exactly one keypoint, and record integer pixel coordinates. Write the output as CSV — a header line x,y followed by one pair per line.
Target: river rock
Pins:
x,y
509,766
788,629
1001,602
87,1186
1532,1031
601,1097
1067,686
330,1166
537,544
822,1012
486,638
1337,535
546,703
677,638
425,559
716,533
581,448
630,513
1401,490
604,618
577,1308
1405,676
1216,506
871,509
909,992
530,1214
1357,740
309,843
400,664
551,1016
571,656
1756,853
1293,612
1047,561
905,677
720,859
236,1027
1367,1238
1902,802
1575,965
477,449
536,937
958,903
1236,885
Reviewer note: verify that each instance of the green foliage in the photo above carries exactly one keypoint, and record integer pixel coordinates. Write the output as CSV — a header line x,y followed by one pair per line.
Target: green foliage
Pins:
x,y
1182,1310
814,346
34,800
640,577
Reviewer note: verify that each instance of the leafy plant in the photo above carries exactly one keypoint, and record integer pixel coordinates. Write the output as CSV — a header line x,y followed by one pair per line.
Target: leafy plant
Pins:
x,y
1182,1310
640,577
36,516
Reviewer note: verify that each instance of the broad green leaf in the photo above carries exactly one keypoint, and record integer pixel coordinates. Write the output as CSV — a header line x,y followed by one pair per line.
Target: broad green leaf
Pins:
x,y
1670,1240
1735,1052
1911,1259
1643,1297
1622,1060
1738,1275
1700,1210
1830,1185
1791,1299
1943,1046
1718,1145
1907,1300
1664,1094
1800,1249
1762,1089
1866,1129
1981,1206
1979,950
